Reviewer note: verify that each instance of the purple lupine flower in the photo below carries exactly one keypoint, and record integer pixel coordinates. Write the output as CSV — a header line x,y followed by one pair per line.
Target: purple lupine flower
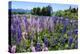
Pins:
x,y
46,41
38,47
17,27
55,41
44,47
13,49
13,29
9,49
69,33
50,25
70,41
66,21
76,46
64,29
63,41
25,22
41,23
75,31
32,47
19,33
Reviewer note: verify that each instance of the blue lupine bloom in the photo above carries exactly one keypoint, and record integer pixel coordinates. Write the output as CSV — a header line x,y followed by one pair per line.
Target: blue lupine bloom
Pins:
x,y
70,40
69,33
46,41
76,46
38,47
31,37
25,19
76,31
13,29
17,21
64,29
19,34
63,41
41,23
55,41
25,22
46,24
66,22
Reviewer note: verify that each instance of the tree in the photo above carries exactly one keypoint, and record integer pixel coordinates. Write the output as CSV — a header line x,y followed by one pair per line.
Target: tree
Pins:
x,y
49,10
38,11
33,11
73,10
45,11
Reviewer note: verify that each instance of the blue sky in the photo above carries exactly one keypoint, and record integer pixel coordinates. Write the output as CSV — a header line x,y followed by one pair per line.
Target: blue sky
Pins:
x,y
30,5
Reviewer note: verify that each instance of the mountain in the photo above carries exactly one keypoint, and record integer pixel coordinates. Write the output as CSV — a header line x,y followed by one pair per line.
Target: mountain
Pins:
x,y
20,10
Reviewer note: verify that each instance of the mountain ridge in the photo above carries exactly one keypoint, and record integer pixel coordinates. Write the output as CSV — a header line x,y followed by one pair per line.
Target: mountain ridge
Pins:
x,y
20,10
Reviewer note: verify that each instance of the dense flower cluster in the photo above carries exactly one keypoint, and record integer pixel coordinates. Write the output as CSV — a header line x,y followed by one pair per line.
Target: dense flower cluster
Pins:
x,y
43,33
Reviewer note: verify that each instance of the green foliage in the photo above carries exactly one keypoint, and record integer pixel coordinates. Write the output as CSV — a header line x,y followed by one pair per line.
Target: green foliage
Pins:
x,y
52,45
45,11
71,13
19,13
